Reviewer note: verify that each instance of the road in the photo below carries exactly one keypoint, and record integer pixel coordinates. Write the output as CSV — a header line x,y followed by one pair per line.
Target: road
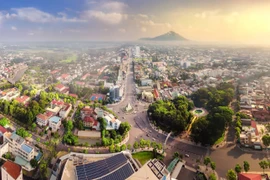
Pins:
x,y
142,129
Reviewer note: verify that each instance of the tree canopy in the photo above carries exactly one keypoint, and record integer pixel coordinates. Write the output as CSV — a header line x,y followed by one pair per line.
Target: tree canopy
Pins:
x,y
171,115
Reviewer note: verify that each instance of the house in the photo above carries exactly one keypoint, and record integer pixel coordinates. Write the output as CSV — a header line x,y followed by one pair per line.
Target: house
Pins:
x,y
43,119
56,106
249,176
55,123
146,82
61,88
73,95
112,122
11,171
90,122
23,99
65,110
9,94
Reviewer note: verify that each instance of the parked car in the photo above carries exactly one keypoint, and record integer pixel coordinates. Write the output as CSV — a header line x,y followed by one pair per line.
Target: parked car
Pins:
x,y
187,155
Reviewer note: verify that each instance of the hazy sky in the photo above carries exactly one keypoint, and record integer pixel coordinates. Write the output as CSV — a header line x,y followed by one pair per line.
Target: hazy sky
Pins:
x,y
245,21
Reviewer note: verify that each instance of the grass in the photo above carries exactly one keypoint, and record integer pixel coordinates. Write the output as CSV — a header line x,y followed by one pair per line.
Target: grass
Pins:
x,y
70,59
220,139
144,156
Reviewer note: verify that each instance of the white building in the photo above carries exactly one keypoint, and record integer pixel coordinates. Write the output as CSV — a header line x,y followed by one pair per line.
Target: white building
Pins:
x,y
55,123
11,171
137,52
65,110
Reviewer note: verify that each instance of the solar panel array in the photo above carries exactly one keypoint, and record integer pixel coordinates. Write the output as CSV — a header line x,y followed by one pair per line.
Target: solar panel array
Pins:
x,y
100,168
121,174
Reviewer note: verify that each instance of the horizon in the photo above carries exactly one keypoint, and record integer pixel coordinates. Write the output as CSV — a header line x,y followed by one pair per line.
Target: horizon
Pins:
x,y
241,22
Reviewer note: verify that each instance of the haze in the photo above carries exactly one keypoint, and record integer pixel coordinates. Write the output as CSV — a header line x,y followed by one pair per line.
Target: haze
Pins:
x,y
242,21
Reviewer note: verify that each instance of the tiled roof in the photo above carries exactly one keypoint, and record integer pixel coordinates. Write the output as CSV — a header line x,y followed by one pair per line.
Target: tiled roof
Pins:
x,y
13,169
249,176
2,129
57,103
59,86
90,119
42,117
22,99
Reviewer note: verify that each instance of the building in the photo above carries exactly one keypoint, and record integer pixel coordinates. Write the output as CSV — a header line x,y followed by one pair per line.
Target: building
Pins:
x,y
97,97
146,82
112,122
137,52
90,123
55,123
9,94
11,171
66,108
153,169
23,99
114,93
61,88
117,167
43,119
249,176
147,96
55,106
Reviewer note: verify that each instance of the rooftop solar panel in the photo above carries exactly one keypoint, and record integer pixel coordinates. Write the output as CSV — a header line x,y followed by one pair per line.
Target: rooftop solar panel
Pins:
x,y
121,174
100,168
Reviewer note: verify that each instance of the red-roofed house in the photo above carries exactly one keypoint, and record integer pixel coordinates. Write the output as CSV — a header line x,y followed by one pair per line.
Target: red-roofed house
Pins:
x,y
43,119
65,76
61,88
249,176
11,171
73,95
156,94
90,122
23,99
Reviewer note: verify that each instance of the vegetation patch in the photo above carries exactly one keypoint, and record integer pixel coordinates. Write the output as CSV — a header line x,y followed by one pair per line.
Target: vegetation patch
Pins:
x,y
70,59
145,156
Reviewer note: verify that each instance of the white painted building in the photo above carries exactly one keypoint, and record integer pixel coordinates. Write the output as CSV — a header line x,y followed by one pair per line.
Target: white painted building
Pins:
x,y
55,123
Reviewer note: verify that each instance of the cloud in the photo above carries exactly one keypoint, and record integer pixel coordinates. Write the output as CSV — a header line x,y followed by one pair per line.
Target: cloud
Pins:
x,y
13,28
144,16
74,30
122,30
37,16
31,34
231,18
152,23
1,17
143,29
107,18
113,6
206,14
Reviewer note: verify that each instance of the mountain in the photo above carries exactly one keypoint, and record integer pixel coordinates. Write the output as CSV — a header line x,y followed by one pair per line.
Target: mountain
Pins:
x,y
169,36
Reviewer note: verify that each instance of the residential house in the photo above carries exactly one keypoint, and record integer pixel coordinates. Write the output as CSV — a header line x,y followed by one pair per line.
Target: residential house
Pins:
x,y
249,176
90,122
43,119
11,171
55,123
65,110
61,88
112,122
9,94
55,106
23,99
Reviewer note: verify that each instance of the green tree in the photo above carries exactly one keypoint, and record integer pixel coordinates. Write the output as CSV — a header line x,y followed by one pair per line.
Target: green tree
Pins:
x,y
136,145
129,147
176,154
123,147
212,177
43,169
102,122
238,168
33,162
38,139
124,128
206,161
263,164
112,148
4,121
117,148
231,175
213,165
246,166
22,132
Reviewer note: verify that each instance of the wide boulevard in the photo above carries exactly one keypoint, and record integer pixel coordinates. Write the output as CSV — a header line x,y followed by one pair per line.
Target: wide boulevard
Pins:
x,y
225,158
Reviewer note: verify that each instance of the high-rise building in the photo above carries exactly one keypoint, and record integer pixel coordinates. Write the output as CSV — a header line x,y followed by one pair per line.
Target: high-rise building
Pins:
x,y
114,93
137,51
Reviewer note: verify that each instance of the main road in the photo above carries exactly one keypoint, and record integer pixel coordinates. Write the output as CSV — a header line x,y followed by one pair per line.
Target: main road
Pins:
x,y
142,129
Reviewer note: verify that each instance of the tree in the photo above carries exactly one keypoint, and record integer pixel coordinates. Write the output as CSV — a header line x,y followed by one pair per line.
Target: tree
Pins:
x,y
263,164
112,148
266,141
4,121
212,177
69,125
246,166
206,161
124,128
176,154
129,147
238,168
43,169
213,165
22,132
123,147
38,139
33,162
231,175
136,145
102,122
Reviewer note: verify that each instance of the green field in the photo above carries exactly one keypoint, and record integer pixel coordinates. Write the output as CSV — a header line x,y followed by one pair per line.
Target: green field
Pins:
x,y
144,156
221,139
70,59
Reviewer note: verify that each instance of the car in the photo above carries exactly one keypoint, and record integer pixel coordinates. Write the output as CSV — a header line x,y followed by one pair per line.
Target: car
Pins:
x,y
147,135
153,139
187,155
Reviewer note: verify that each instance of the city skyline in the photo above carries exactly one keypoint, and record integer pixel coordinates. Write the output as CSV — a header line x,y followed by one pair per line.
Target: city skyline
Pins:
x,y
243,21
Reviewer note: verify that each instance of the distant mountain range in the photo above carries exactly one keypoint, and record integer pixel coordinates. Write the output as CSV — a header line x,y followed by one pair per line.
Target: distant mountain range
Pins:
x,y
169,36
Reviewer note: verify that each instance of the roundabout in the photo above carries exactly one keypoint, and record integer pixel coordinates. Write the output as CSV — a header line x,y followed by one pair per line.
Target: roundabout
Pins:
x,y
199,112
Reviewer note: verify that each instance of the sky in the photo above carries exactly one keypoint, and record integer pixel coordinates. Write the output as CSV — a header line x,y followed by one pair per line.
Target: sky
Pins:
x,y
235,21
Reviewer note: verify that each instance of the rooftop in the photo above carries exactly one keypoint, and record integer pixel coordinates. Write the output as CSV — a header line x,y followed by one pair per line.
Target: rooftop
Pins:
x,y
13,169
26,148
17,138
55,119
